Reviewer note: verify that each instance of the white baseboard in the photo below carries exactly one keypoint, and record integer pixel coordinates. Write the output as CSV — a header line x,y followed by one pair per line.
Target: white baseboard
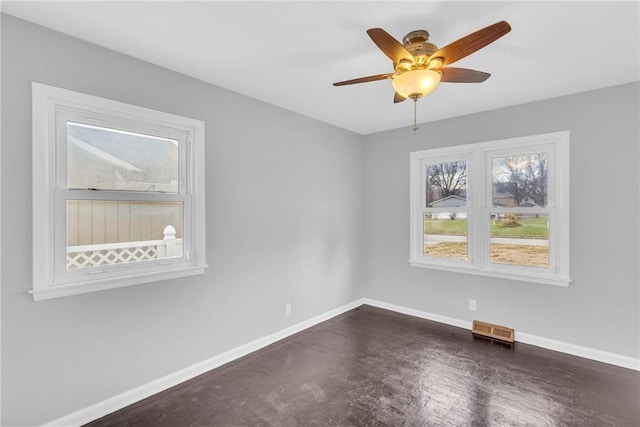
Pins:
x,y
549,344
127,398
578,350
418,313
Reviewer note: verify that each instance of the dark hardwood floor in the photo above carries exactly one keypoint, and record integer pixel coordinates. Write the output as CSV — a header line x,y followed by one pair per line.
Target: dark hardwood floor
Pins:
x,y
372,367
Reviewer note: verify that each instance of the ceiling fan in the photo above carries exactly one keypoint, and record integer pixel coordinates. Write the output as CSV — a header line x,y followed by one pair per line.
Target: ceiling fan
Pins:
x,y
420,66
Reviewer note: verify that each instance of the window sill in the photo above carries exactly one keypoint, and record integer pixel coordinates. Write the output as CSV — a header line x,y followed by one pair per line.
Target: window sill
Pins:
x,y
112,283
533,277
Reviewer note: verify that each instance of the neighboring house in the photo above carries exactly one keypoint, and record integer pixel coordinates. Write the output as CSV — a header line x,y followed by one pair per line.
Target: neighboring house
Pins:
x,y
105,159
506,200
449,202
528,202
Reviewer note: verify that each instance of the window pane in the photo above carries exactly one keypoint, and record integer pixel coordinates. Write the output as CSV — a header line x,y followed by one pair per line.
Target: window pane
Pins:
x,y
445,235
520,239
109,159
106,232
446,184
520,180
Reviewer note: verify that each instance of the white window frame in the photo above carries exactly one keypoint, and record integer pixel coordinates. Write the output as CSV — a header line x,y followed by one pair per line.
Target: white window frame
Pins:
x,y
51,109
480,206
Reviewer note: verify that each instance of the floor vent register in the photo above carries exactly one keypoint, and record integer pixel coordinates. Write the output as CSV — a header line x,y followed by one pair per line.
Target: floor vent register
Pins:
x,y
497,332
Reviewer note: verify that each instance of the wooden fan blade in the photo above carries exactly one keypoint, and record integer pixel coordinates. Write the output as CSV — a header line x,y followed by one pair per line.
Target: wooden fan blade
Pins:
x,y
471,43
390,46
365,79
462,75
398,98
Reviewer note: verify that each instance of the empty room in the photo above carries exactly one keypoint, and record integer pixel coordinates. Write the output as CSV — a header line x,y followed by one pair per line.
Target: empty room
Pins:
x,y
320,213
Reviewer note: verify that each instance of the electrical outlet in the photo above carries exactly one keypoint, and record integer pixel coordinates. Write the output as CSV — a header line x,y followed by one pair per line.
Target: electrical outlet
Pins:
x,y
472,305
287,310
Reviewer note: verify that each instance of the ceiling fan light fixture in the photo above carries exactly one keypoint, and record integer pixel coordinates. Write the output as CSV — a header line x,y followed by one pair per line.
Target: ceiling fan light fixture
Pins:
x,y
419,65
416,83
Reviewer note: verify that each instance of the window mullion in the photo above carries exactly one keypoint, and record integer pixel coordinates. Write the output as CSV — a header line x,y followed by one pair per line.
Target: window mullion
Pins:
x,y
477,188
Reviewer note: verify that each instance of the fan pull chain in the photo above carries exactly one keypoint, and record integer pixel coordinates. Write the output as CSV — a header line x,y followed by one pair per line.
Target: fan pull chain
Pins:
x,y
415,104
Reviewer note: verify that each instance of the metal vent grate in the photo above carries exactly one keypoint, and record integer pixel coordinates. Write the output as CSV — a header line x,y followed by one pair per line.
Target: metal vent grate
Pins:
x,y
493,331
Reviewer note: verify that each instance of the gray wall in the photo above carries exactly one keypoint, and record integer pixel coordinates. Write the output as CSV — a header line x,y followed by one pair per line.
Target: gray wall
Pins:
x,y
284,211
600,309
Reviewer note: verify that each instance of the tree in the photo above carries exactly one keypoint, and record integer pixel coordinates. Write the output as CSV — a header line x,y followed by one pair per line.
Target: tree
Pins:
x,y
446,179
524,177
538,171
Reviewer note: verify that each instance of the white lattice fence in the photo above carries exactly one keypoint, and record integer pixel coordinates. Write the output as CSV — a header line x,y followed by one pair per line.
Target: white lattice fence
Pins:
x,y
113,253
119,253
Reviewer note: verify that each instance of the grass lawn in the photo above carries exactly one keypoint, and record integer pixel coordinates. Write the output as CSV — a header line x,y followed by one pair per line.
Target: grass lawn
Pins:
x,y
455,227
529,228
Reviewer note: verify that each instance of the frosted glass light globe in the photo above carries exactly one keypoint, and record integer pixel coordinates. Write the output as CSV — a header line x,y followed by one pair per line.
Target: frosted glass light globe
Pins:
x,y
416,83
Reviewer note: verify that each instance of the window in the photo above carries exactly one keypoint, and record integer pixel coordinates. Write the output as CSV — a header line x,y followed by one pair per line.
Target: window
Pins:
x,y
498,208
118,194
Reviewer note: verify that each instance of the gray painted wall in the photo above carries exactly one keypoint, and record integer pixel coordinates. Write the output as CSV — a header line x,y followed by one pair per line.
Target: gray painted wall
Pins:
x,y
284,211
600,309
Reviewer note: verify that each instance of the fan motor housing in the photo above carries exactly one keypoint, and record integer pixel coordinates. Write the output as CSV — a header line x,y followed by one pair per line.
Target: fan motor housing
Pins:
x,y
417,43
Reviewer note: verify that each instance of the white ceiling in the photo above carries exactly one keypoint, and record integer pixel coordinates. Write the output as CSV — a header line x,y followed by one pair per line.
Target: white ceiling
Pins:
x,y
289,53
